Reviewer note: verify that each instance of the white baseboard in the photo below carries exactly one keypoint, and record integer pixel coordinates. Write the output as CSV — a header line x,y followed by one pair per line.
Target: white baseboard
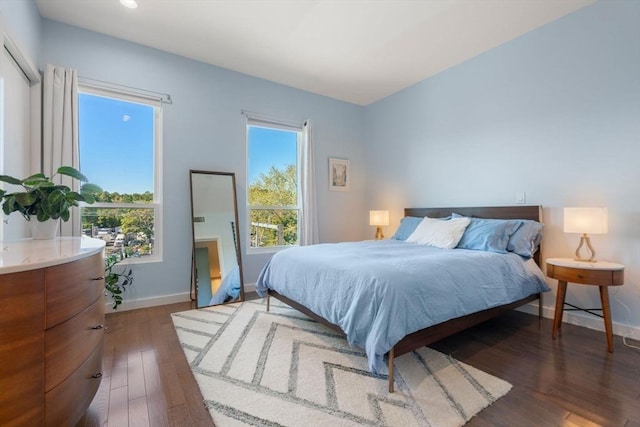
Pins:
x,y
147,302
585,320
154,301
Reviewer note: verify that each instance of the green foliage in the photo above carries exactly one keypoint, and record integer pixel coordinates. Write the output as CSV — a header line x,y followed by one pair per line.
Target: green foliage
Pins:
x,y
115,197
138,221
115,283
277,226
132,220
43,198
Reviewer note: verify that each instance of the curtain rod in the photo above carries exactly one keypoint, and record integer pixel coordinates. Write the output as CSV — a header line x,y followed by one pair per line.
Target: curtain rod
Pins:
x,y
252,115
165,98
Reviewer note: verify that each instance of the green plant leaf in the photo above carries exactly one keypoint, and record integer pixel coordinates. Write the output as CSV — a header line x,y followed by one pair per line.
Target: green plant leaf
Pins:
x,y
34,180
88,198
73,197
10,180
72,172
9,205
42,216
55,197
90,188
25,199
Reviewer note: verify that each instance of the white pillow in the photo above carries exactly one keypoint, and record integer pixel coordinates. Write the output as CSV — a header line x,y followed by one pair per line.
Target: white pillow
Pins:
x,y
439,233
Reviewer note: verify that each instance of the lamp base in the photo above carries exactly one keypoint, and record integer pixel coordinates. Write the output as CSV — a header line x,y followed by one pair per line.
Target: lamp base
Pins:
x,y
585,240
379,233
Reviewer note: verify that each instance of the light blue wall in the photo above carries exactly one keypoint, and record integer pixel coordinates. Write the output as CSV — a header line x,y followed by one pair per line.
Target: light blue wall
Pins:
x,y
22,22
554,113
203,129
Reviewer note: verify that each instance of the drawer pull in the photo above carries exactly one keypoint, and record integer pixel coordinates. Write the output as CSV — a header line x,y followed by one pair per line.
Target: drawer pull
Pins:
x,y
98,327
96,376
98,278
580,276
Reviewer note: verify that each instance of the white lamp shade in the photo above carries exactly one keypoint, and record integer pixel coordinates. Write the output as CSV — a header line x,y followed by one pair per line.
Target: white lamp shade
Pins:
x,y
585,220
378,217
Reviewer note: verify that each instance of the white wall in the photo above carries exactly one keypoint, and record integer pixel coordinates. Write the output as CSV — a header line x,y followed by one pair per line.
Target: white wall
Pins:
x,y
554,113
21,20
20,28
203,129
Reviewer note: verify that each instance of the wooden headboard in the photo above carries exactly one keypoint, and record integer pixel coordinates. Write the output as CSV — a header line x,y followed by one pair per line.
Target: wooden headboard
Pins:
x,y
498,212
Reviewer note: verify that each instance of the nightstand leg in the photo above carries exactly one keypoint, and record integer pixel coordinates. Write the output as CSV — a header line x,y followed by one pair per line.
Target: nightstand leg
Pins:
x,y
557,318
606,313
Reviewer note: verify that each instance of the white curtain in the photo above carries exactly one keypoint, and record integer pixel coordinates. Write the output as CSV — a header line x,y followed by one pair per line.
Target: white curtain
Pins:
x,y
309,220
60,131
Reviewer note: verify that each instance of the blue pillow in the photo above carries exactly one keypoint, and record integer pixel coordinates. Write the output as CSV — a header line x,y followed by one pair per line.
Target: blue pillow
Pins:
x,y
526,239
491,235
407,226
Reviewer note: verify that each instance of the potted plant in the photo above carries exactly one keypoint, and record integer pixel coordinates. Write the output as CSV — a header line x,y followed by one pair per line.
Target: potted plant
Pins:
x,y
44,201
115,283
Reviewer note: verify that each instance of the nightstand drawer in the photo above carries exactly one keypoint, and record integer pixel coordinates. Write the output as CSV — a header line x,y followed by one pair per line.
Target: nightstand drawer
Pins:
x,y
586,276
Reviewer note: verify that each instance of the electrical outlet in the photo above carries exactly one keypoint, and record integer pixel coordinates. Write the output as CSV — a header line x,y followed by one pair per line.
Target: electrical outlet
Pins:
x,y
521,197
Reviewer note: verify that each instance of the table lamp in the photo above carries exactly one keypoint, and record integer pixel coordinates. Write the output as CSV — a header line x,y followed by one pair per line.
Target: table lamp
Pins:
x,y
585,221
379,218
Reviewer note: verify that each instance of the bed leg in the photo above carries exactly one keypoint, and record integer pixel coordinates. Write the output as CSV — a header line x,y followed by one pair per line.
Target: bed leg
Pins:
x,y
268,300
391,370
540,306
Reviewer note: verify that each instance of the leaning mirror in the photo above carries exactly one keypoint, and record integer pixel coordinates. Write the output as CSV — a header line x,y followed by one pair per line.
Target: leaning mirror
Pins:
x,y
217,264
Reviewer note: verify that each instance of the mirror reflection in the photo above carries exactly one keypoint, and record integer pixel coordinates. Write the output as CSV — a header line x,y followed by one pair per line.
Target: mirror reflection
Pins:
x,y
217,265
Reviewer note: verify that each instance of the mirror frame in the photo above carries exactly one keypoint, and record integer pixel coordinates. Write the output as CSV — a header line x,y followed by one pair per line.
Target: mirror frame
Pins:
x,y
194,278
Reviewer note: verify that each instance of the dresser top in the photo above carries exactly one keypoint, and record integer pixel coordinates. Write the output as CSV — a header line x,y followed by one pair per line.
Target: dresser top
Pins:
x,y
29,254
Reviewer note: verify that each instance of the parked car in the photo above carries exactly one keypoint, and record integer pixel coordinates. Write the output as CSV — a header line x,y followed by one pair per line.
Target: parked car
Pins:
x,y
119,241
106,236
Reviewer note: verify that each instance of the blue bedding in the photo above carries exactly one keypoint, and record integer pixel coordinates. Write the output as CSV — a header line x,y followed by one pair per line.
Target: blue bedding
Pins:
x,y
380,291
229,289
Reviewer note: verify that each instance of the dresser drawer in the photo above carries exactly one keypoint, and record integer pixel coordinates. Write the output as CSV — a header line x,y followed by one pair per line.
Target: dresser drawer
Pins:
x,y
21,347
70,288
586,276
70,343
66,403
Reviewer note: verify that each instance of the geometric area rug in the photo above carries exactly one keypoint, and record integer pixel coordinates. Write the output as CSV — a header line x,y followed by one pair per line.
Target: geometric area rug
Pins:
x,y
280,368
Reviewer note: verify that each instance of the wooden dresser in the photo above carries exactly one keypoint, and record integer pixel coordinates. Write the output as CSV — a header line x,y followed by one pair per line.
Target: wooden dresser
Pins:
x,y
51,329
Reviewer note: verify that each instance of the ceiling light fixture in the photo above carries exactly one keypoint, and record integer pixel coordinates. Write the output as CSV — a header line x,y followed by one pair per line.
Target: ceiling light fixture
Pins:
x,y
131,4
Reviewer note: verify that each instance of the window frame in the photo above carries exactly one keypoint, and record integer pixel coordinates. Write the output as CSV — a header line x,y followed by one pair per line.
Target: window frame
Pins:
x,y
157,204
270,123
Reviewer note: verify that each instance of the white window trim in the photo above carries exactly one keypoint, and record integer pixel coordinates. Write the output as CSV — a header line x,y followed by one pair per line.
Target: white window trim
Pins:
x,y
157,204
267,122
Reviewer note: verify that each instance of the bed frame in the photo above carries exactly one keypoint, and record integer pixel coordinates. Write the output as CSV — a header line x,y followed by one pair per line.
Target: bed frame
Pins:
x,y
437,332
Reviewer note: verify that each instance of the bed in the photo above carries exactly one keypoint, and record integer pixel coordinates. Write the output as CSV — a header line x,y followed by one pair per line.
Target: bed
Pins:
x,y
375,292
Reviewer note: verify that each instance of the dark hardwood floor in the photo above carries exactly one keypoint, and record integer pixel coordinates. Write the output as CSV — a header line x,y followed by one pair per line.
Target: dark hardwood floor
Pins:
x,y
572,381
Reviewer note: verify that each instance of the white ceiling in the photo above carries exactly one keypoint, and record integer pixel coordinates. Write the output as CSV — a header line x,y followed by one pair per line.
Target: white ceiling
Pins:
x,y
357,51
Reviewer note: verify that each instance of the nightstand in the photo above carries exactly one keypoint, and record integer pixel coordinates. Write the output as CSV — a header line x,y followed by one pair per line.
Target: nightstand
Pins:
x,y
602,274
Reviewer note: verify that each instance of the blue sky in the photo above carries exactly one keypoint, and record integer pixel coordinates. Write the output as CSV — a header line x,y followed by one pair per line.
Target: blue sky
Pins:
x,y
270,147
116,144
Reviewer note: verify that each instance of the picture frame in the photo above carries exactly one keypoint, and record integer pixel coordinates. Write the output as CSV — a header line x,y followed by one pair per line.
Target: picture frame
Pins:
x,y
339,175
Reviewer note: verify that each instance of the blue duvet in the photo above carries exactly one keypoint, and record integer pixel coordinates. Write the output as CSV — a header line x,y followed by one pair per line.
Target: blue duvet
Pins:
x,y
380,291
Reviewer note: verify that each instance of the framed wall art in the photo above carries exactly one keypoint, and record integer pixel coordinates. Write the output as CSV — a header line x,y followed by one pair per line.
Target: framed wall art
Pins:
x,y
339,175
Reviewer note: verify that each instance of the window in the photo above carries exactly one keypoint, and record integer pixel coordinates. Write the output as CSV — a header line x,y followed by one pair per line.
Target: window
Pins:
x,y
273,196
119,143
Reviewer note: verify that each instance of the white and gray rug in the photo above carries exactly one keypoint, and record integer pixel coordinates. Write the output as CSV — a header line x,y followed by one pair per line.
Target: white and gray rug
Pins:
x,y
280,368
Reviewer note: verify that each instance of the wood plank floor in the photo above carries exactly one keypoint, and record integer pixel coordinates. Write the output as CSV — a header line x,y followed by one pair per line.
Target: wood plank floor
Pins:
x,y
572,381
